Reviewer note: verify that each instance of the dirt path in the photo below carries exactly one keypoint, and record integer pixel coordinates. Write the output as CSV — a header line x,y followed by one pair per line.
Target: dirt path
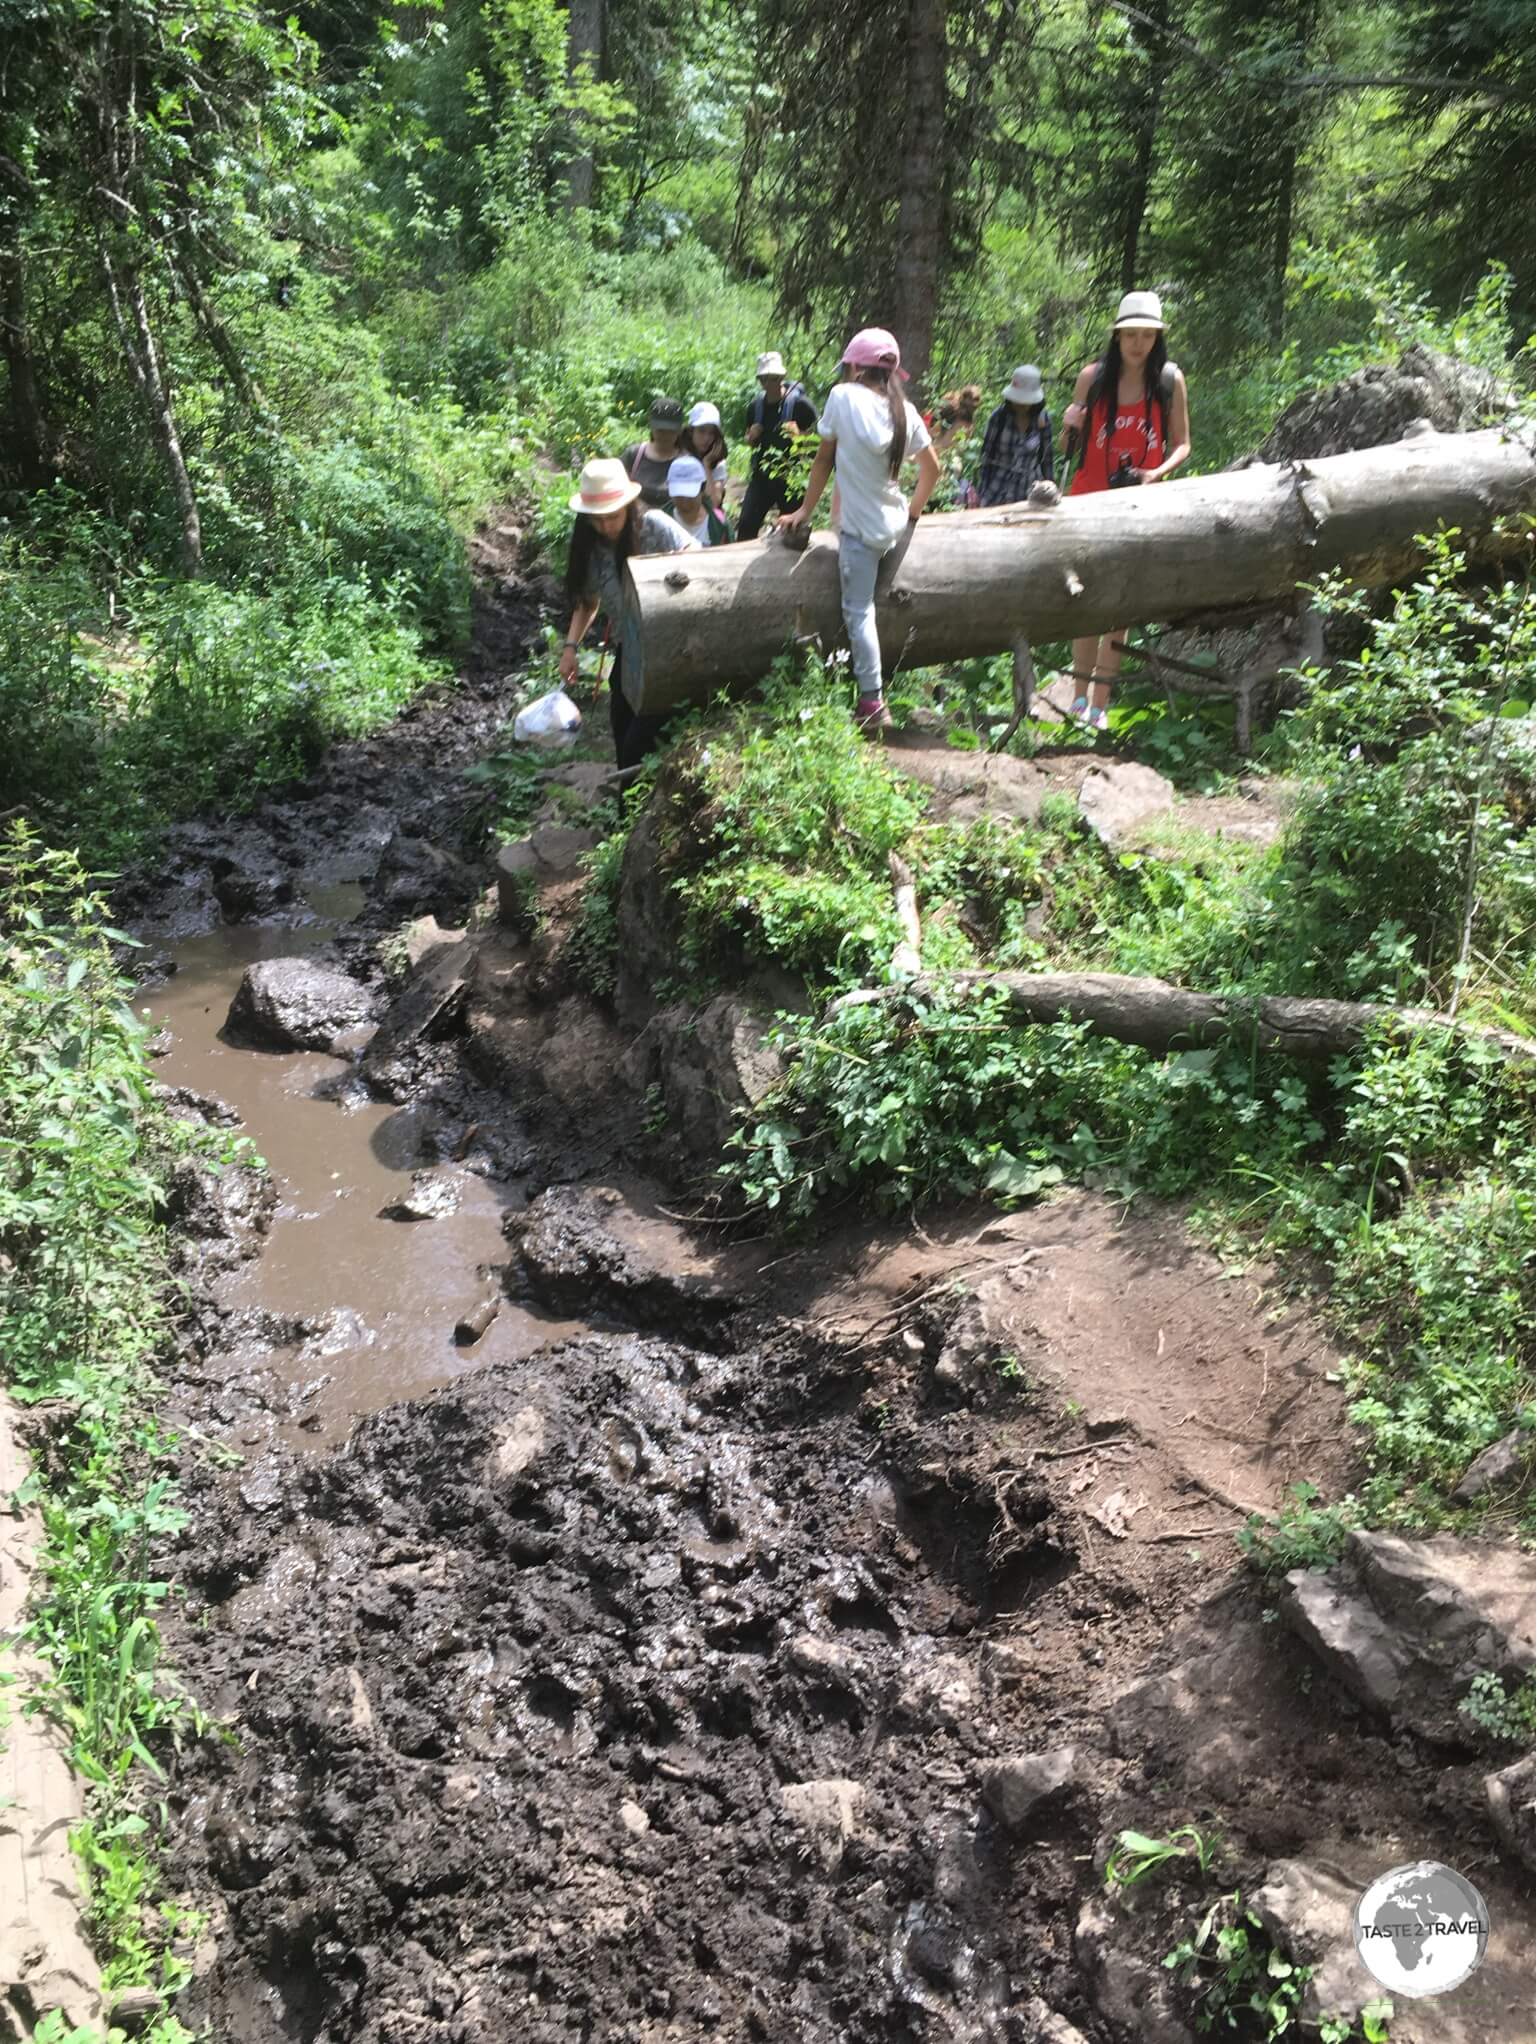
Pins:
x,y
770,1645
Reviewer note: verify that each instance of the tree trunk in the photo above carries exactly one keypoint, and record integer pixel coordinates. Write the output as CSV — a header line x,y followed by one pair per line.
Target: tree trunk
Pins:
x,y
31,441
584,39
920,212
973,582
755,128
156,390
1281,247
1162,1018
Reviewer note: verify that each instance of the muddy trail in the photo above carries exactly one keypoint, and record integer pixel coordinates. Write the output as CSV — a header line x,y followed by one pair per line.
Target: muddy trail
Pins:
x,y
743,1640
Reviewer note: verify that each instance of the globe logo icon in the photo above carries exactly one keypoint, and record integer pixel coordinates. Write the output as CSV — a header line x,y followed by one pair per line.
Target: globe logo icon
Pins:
x,y
1421,1929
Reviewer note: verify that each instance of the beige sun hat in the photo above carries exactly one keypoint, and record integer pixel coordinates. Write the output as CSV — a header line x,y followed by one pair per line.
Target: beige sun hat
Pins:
x,y
1025,387
771,364
1140,308
604,487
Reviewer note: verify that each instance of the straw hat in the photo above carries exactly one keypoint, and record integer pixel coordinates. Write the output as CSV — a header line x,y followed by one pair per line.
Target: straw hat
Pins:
x,y
1140,308
604,487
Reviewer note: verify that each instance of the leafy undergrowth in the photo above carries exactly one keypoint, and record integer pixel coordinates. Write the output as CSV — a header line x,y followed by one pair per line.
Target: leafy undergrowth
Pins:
x,y
82,1143
1401,1175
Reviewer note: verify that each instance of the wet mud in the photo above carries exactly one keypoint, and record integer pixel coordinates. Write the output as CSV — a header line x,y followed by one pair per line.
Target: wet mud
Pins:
x,y
736,1639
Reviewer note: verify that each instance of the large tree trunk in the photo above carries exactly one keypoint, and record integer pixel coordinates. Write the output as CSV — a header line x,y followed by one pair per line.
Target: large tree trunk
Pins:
x,y
1162,1018
31,441
921,208
584,39
974,582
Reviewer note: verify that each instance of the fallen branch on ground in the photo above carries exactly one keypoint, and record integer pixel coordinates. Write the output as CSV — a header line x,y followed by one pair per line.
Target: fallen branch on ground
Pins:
x,y
1161,1017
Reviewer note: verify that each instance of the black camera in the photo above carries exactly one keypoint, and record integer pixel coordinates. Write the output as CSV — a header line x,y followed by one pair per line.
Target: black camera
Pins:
x,y
1125,477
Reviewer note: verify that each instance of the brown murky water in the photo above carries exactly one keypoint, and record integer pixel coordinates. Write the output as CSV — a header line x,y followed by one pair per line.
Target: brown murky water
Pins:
x,y
390,1290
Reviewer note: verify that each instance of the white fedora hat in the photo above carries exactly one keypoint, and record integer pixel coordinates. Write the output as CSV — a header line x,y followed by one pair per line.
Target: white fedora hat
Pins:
x,y
1140,308
604,487
1025,387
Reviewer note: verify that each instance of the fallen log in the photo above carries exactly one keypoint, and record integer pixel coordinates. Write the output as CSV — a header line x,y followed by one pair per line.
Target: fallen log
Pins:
x,y
974,583
1162,1018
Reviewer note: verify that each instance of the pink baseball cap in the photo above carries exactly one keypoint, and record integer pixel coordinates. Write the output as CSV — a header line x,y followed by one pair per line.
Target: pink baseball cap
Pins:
x,y
873,348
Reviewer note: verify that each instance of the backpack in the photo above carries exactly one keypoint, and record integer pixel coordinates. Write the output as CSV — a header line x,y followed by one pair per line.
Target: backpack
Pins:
x,y
758,416
719,525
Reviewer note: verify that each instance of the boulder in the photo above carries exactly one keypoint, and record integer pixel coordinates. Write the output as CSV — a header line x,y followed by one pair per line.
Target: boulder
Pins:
x,y
416,875
1511,1795
1307,1908
294,1004
1014,1788
432,1194
1405,1624
246,893
1375,405
1118,795
713,1065
428,1006
1501,1467
583,1250
1133,1996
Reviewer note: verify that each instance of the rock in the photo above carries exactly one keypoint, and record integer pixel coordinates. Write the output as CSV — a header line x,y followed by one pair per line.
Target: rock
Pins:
x,y
1500,1467
559,847
1511,1806
517,876
1379,404
294,1004
424,936
428,1007
519,1445
432,1194
581,1249
217,1217
713,1065
634,1819
414,874
1308,1907
831,1811
940,1691
1133,1995
1044,2026
1405,1624
825,1660
967,1364
262,1489
1014,1788
1118,795
246,894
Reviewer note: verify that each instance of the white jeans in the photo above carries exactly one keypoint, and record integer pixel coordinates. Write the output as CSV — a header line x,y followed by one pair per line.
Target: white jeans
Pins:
x,y
858,565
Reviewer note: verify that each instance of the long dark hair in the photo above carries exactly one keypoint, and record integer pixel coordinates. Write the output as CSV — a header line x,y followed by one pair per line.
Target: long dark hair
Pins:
x,y
690,445
1106,387
879,377
586,539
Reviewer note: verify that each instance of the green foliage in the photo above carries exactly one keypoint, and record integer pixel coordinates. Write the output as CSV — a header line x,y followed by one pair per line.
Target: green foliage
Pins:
x,y
1241,1981
81,1148
1507,1716
1135,1857
1305,1534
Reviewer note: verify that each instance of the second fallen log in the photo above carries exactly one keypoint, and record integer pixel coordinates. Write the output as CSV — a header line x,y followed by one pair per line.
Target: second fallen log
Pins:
x,y
973,583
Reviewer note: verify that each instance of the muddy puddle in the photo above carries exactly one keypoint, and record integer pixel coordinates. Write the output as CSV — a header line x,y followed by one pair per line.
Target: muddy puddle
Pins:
x,y
373,1299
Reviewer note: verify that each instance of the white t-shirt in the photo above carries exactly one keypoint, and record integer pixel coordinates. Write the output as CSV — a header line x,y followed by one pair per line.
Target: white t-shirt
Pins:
x,y
871,506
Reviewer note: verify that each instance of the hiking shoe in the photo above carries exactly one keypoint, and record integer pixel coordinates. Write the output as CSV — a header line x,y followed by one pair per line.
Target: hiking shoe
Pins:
x,y
1078,710
872,716
1098,720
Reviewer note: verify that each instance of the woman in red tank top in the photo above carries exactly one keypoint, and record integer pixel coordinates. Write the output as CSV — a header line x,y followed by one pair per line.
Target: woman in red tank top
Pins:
x,y
1131,411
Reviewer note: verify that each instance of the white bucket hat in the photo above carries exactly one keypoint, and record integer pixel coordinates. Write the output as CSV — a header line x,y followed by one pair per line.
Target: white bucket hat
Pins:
x,y
1140,308
604,487
771,364
1025,387
685,476
704,415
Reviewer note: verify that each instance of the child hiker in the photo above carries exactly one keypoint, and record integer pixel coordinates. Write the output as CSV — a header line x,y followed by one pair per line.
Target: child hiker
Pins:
x,y
868,430
611,525
1016,448
688,503
1131,415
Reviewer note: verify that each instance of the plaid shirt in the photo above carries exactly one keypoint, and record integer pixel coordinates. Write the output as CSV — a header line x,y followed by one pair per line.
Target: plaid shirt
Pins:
x,y
1013,457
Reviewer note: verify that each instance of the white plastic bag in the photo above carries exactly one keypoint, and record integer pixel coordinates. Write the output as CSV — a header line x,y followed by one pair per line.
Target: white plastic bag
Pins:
x,y
552,716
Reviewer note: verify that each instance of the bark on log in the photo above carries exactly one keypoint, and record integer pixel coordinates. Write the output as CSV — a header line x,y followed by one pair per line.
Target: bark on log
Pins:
x,y
1163,1018
973,582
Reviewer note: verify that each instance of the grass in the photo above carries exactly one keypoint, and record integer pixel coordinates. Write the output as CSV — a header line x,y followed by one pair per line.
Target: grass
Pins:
x,y
81,1275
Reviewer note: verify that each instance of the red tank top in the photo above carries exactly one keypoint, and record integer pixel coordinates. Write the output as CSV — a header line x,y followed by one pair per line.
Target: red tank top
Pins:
x,y
1136,434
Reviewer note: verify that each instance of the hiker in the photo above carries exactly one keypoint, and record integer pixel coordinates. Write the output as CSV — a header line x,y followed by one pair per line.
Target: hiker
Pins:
x,y
612,524
950,423
688,503
704,439
1130,414
776,418
868,431
646,462
1016,447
